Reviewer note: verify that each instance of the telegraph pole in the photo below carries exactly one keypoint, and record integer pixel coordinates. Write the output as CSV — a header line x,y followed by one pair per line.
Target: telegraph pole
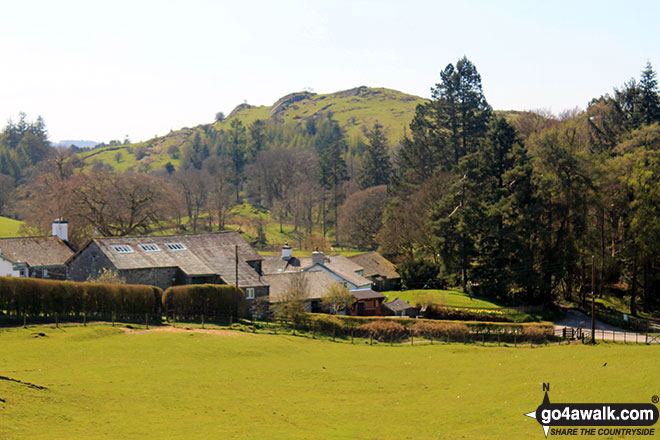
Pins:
x,y
593,300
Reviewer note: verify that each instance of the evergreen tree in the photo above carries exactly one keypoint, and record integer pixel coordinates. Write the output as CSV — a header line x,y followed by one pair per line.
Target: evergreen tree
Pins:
x,y
237,151
648,107
375,167
330,147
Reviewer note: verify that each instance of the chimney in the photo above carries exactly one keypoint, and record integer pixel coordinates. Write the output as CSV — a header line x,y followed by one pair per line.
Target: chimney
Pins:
x,y
61,229
286,252
318,257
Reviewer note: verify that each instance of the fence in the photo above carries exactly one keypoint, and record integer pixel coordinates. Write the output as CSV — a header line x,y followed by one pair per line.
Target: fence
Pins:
x,y
585,335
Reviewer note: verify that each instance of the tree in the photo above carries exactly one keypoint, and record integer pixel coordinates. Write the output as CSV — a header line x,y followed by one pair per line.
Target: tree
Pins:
x,y
7,192
361,217
338,298
117,205
648,107
292,302
236,150
330,147
375,166
219,116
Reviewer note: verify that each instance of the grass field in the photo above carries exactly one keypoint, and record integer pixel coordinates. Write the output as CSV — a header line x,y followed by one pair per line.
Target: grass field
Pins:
x,y
9,227
104,383
450,298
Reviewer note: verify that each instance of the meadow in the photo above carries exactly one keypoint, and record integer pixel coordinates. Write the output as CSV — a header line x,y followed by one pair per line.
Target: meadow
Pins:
x,y
9,227
107,382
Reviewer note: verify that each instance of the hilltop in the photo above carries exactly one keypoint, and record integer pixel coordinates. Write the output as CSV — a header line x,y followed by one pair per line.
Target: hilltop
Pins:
x,y
354,110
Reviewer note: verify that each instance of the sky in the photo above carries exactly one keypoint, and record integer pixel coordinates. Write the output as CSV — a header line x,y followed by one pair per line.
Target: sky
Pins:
x,y
106,70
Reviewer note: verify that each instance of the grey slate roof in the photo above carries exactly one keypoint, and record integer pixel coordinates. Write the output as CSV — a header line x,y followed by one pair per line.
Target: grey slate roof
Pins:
x,y
35,251
318,283
275,264
398,305
203,254
375,264
338,264
367,294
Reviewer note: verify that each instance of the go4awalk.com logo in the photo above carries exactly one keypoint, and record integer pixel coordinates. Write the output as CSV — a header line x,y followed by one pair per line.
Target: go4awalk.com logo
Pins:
x,y
601,419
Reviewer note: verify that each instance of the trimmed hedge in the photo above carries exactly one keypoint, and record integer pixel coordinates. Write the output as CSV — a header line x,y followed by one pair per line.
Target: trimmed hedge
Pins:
x,y
210,300
394,328
36,297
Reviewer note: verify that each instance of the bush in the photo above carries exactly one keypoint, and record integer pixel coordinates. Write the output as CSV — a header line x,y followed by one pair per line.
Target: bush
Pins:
x,y
535,333
35,297
211,300
383,330
441,330
329,325
452,314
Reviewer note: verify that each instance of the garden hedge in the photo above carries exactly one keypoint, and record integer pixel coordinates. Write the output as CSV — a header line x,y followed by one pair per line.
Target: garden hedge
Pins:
x,y
210,300
37,297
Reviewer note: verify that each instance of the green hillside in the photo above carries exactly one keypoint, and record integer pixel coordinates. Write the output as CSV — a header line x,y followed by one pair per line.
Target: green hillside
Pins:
x,y
354,109
9,227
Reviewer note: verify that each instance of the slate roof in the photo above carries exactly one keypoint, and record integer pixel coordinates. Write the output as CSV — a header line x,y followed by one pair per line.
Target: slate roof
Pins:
x,y
202,254
35,251
398,305
318,283
275,264
375,264
338,264
367,294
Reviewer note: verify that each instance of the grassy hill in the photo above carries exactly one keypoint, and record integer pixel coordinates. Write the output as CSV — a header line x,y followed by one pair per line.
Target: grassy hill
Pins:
x,y
9,227
354,109
104,382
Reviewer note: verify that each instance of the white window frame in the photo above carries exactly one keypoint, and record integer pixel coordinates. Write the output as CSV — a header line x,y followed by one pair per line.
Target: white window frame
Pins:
x,y
122,248
175,246
149,247
249,293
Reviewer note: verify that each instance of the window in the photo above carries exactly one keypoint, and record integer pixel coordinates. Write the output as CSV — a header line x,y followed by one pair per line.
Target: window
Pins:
x,y
175,246
122,248
149,247
249,293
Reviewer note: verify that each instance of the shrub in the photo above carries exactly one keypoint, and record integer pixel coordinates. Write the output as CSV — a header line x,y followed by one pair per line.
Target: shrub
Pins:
x,y
329,325
536,333
47,297
383,330
204,299
442,330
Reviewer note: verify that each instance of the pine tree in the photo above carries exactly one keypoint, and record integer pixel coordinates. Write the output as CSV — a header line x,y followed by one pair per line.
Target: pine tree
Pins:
x,y
648,107
375,165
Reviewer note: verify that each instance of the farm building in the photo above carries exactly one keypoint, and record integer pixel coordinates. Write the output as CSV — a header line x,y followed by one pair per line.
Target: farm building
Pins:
x,y
336,268
164,261
36,257
379,270
399,307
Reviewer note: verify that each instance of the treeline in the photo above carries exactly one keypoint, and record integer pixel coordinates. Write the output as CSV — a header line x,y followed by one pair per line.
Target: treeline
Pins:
x,y
515,208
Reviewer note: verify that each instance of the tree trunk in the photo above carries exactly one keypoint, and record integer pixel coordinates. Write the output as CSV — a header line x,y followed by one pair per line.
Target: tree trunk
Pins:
x,y
633,290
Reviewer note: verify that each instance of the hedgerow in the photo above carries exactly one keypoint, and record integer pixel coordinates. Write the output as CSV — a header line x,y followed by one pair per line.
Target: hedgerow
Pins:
x,y
209,300
32,297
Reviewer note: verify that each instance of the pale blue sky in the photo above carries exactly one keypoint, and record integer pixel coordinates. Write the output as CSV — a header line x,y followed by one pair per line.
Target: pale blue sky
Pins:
x,y
100,71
